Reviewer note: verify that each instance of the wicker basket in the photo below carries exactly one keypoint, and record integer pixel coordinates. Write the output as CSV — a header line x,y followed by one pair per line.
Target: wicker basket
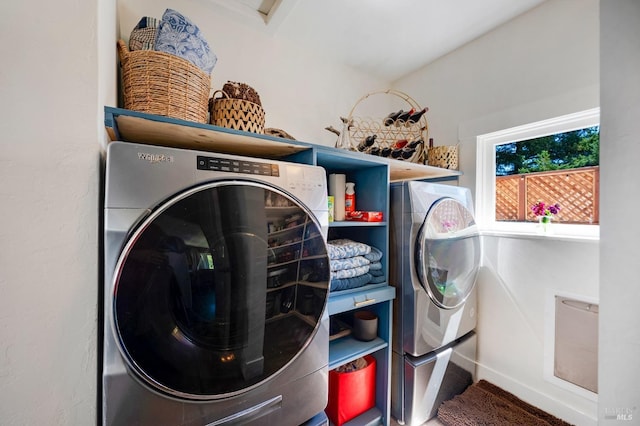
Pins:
x,y
163,84
236,114
443,156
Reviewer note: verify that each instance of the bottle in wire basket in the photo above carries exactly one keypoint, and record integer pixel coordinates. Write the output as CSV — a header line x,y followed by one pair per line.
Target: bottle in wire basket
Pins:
x,y
367,142
414,144
392,117
374,150
413,118
404,117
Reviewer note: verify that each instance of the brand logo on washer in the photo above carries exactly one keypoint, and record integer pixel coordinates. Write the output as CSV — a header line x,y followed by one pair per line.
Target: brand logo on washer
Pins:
x,y
155,158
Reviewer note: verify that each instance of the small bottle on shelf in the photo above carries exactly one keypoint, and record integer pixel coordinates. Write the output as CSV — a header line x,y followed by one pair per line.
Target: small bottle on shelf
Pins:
x,y
349,198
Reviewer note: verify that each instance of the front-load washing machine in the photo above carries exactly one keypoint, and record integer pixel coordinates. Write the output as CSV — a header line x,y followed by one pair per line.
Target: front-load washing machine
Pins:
x,y
215,289
434,262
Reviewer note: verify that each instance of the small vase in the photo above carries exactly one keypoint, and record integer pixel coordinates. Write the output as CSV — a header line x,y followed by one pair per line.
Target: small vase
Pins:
x,y
544,224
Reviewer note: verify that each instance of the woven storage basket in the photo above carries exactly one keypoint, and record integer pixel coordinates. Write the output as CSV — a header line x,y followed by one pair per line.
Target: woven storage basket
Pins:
x,y
443,156
236,114
163,84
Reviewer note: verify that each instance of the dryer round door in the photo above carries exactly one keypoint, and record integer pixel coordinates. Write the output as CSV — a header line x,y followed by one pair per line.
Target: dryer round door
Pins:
x,y
447,253
219,289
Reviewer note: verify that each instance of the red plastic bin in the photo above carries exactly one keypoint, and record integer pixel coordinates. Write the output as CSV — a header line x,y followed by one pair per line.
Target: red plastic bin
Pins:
x,y
352,393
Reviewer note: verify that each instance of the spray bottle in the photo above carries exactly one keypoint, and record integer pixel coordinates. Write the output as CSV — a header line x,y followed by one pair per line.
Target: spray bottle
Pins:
x,y
350,197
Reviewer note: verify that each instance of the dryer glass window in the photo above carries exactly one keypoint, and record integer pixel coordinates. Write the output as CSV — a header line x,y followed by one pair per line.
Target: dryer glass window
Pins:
x,y
448,253
219,289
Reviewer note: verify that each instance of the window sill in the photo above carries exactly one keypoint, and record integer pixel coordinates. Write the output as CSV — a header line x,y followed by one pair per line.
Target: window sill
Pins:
x,y
556,236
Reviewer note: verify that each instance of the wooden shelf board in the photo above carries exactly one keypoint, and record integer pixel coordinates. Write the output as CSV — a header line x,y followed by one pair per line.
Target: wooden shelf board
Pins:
x,y
156,130
133,126
401,170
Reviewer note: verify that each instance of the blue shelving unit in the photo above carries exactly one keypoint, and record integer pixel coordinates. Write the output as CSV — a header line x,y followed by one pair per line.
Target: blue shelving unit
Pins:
x,y
371,175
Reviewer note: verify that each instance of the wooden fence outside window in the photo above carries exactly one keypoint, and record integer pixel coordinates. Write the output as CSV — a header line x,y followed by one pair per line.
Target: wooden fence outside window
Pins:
x,y
576,190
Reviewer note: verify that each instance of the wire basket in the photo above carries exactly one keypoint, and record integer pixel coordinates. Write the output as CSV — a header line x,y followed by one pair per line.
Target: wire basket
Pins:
x,y
163,84
390,134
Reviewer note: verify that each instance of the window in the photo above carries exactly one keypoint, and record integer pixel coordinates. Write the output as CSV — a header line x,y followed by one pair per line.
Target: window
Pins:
x,y
553,161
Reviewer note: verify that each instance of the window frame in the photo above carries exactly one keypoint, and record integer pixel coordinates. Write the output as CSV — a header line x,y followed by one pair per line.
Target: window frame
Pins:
x,y
486,174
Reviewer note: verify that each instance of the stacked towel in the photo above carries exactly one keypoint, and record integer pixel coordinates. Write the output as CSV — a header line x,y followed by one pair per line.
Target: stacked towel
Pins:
x,y
353,264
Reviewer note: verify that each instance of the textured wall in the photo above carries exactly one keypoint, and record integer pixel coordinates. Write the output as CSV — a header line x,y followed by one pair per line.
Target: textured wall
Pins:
x,y
49,191
540,65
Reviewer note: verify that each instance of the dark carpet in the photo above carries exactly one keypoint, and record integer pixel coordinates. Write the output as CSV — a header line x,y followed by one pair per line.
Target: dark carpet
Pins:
x,y
484,403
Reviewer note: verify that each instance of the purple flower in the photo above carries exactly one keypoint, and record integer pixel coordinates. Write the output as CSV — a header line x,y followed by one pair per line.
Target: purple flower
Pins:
x,y
541,209
554,209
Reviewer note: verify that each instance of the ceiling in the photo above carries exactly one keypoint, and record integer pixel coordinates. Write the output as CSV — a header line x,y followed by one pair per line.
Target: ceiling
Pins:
x,y
385,38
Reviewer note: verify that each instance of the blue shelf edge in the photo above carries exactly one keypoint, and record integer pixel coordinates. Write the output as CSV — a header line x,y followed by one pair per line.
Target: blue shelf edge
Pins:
x,y
347,300
347,349
369,417
354,223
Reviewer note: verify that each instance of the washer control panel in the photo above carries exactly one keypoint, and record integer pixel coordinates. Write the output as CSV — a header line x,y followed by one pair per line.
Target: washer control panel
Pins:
x,y
219,164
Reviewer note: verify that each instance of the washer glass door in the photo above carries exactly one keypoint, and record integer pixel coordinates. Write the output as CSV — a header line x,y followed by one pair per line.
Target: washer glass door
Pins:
x,y
447,253
219,289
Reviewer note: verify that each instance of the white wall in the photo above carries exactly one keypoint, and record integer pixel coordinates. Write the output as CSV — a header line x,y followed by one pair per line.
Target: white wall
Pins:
x,y
300,92
619,290
51,130
544,63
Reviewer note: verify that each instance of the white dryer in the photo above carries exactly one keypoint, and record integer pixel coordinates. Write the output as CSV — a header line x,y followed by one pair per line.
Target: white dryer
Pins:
x,y
434,262
215,289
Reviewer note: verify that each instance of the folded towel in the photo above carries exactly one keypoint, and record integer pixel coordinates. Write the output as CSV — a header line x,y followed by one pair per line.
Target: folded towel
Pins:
x,y
376,272
181,37
376,266
377,279
338,284
348,263
344,248
350,273
374,255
